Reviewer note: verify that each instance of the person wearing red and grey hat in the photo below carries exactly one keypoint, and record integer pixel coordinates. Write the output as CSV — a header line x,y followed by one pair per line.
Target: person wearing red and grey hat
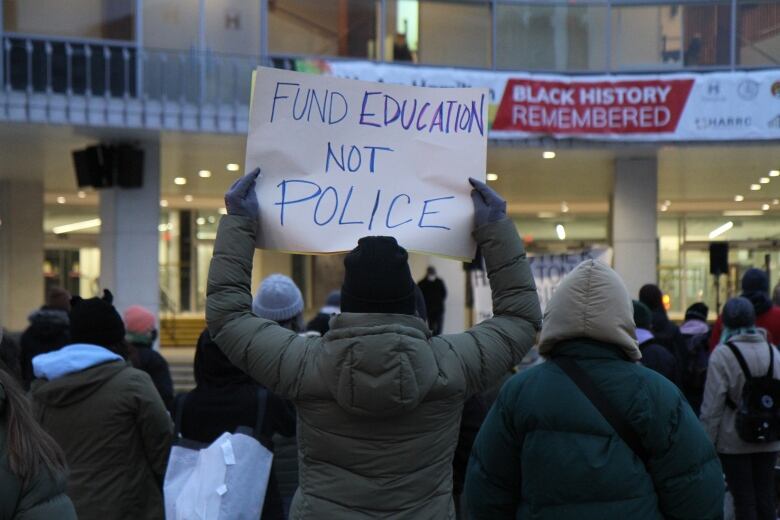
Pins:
x,y
379,398
141,333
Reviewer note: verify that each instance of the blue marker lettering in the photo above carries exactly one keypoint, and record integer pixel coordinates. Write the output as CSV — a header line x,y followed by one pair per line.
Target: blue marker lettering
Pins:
x,y
424,212
476,116
419,116
320,108
352,151
411,116
344,209
397,109
335,205
335,159
438,119
284,202
363,113
277,96
373,211
332,104
305,104
373,154
390,211
449,113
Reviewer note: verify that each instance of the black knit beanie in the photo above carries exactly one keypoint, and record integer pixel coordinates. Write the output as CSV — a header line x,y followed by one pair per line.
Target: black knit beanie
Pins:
x,y
96,321
652,296
697,311
377,278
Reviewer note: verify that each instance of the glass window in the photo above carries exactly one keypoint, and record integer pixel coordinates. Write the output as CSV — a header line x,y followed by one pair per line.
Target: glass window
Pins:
x,y
439,32
233,27
758,33
171,24
555,37
109,19
670,36
323,27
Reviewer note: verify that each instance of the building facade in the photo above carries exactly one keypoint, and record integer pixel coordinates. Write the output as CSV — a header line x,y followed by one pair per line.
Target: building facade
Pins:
x,y
172,77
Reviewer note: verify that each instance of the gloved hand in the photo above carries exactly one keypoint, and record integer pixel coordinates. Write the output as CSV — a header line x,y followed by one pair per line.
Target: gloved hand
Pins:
x,y
240,199
488,205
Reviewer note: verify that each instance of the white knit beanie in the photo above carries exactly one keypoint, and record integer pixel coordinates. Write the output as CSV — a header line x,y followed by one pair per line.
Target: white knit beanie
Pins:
x,y
278,299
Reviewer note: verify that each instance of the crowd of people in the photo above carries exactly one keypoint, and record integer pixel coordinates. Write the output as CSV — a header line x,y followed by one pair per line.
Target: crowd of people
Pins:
x,y
372,413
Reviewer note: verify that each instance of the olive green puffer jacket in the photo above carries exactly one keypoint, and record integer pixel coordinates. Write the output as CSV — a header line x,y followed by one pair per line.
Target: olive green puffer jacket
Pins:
x,y
379,400
43,498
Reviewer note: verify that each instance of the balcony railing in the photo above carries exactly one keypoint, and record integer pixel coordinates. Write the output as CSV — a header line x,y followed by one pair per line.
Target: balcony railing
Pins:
x,y
105,82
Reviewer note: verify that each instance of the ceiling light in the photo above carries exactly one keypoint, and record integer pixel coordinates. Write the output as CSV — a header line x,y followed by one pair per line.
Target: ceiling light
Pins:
x,y
188,198
667,203
204,174
775,201
211,219
76,226
764,180
232,167
774,173
180,181
765,207
60,200
162,227
755,187
560,231
548,154
664,208
81,195
743,213
200,221
564,207
163,203
492,177
738,198
222,211
718,231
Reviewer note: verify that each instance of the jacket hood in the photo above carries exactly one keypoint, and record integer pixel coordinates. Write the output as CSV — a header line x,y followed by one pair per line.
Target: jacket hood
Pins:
x,y
378,364
591,302
77,386
71,359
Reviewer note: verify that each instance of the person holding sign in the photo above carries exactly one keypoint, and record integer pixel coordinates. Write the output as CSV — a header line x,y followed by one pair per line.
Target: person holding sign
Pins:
x,y
379,398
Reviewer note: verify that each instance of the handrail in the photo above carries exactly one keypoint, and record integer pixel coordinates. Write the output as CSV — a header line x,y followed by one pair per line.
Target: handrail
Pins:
x,y
69,39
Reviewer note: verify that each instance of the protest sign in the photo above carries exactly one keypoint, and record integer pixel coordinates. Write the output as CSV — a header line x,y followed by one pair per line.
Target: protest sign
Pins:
x,y
342,159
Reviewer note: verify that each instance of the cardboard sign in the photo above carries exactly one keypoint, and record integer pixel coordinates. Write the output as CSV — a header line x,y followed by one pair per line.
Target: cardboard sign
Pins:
x,y
342,159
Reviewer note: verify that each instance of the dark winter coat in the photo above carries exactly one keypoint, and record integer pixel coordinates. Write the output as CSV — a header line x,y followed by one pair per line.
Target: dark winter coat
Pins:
x,y
151,362
49,330
657,357
43,498
545,452
379,400
664,330
116,435
434,293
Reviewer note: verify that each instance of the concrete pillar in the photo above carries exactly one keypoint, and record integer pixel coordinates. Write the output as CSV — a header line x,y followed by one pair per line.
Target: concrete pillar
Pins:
x,y
21,250
129,238
634,221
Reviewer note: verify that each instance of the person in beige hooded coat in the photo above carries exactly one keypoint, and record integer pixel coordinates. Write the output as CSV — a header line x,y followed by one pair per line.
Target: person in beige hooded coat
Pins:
x,y
545,452
379,399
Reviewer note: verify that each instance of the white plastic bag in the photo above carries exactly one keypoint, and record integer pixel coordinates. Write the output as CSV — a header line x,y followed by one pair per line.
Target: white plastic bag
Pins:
x,y
224,481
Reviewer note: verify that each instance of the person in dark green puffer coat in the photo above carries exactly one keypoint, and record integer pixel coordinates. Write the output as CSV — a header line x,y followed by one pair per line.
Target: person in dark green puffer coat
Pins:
x,y
545,452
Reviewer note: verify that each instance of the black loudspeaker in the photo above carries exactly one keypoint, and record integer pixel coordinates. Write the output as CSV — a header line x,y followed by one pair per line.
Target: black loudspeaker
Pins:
x,y
719,258
87,163
128,164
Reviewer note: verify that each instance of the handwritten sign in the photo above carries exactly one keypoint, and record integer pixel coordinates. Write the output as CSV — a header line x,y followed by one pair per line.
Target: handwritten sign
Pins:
x,y
342,159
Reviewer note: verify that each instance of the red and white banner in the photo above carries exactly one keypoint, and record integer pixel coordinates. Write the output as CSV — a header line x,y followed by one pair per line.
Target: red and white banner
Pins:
x,y
734,106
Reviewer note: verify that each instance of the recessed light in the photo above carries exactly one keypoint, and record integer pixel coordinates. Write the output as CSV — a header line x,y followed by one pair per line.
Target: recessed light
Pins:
x,y
222,211
560,231
163,203
738,198
765,207
764,180
232,167
204,174
81,195
61,200
180,181
755,187
774,173
200,221
492,177
664,208
188,198
548,154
